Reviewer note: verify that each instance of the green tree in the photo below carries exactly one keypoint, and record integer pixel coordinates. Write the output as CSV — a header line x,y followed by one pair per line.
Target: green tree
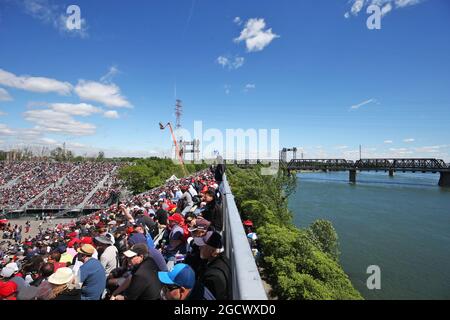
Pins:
x,y
299,263
325,237
145,174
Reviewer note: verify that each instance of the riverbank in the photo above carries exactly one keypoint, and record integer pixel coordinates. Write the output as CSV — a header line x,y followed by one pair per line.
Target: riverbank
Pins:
x,y
299,263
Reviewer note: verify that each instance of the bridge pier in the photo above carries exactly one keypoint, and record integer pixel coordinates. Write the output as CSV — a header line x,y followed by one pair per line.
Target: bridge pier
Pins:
x,y
352,176
444,180
391,173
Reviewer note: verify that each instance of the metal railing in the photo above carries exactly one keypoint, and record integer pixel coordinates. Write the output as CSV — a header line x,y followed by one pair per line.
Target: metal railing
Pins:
x,y
246,280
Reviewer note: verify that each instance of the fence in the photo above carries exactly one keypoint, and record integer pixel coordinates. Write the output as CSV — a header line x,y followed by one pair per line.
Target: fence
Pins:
x,y
246,281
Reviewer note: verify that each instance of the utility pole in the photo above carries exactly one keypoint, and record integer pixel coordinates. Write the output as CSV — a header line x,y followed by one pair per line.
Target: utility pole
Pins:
x,y
360,152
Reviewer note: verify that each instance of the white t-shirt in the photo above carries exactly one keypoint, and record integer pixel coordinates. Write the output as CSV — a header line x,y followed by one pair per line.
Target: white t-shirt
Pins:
x,y
192,191
108,259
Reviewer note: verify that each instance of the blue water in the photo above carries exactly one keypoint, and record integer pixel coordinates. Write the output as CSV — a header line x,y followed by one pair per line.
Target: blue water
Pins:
x,y
401,224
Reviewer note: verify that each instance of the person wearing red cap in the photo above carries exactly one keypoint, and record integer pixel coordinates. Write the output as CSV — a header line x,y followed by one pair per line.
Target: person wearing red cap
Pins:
x,y
185,203
177,242
72,235
8,290
86,240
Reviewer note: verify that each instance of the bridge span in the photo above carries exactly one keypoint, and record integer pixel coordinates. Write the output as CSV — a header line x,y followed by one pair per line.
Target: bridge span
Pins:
x,y
391,166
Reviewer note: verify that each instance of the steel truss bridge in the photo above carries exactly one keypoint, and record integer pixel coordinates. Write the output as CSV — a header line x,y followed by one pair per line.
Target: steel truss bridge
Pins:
x,y
388,165
421,165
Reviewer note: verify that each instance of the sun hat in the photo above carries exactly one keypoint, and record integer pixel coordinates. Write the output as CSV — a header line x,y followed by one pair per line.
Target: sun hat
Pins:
x,y
103,240
61,276
86,249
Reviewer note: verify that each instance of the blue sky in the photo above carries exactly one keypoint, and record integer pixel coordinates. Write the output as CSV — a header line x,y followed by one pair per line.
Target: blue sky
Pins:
x,y
310,68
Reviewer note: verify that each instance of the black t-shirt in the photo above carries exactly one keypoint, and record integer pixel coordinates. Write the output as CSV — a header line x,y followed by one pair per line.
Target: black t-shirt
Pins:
x,y
213,213
74,294
145,284
149,223
162,216
217,277
193,259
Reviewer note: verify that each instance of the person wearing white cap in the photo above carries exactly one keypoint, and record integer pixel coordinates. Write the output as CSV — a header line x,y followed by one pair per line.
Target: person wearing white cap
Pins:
x,y
19,281
178,193
63,287
7,272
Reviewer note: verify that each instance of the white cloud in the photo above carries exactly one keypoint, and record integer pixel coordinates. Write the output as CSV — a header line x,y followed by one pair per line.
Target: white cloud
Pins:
x,y
58,122
249,86
231,63
431,149
112,114
35,84
399,152
385,5
398,149
54,15
341,147
4,95
48,141
227,89
237,21
388,141
386,9
76,145
107,94
80,109
107,78
254,35
5,130
359,105
357,7
405,3
409,140
2,113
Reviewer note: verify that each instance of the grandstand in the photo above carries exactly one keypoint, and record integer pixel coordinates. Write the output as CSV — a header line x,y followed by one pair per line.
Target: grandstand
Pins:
x,y
29,187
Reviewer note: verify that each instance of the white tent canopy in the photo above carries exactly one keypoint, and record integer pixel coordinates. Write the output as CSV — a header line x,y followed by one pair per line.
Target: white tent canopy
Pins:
x,y
172,178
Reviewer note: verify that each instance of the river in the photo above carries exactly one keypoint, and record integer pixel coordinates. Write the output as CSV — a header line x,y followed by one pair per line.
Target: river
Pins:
x,y
401,224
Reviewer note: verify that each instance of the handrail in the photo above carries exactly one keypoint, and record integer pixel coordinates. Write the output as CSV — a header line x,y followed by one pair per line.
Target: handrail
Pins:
x,y
246,280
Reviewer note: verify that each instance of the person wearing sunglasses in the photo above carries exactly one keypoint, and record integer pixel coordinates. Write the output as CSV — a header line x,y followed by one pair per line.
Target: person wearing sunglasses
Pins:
x,y
144,284
180,284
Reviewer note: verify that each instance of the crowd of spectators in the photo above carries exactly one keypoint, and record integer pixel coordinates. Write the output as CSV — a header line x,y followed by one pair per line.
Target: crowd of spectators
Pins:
x,y
10,170
163,244
77,181
77,185
33,182
111,186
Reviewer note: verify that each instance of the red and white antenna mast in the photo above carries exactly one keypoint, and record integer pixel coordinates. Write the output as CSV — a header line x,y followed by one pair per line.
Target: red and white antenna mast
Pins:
x,y
178,113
